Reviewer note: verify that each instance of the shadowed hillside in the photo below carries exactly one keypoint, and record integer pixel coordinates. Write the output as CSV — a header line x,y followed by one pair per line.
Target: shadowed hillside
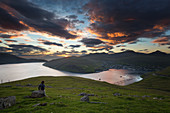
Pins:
x,y
6,58
99,62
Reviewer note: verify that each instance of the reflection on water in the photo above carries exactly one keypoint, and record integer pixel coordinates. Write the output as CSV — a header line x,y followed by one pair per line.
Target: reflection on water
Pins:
x,y
12,72
114,76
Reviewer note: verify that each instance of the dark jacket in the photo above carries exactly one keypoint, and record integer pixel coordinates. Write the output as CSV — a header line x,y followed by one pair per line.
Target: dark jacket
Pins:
x,y
41,87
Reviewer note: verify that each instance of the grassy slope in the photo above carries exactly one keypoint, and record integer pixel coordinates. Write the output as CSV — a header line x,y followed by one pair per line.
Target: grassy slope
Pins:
x,y
64,93
91,63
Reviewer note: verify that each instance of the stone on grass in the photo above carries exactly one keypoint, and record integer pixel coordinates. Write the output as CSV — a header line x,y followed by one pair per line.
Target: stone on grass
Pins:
x,y
117,94
82,94
40,104
85,98
37,94
7,102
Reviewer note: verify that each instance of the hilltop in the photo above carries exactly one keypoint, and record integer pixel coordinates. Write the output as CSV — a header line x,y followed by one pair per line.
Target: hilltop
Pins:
x,y
149,95
101,61
10,59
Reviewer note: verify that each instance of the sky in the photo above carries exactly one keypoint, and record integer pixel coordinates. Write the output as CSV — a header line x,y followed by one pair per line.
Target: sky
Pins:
x,y
62,28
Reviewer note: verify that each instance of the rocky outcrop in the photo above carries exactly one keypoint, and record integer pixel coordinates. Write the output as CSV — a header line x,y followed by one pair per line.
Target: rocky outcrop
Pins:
x,y
85,98
7,102
37,94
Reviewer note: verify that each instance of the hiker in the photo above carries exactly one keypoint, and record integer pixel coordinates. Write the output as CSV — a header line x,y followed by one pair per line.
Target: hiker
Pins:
x,y
41,87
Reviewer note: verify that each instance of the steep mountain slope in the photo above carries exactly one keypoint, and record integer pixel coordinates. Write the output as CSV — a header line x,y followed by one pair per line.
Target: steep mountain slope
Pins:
x,y
6,58
100,62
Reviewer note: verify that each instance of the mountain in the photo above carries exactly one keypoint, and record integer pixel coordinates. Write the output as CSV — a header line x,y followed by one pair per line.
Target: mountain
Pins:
x,y
99,62
6,58
158,53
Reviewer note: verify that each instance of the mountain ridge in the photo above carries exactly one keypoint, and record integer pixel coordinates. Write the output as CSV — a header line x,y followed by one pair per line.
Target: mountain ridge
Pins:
x,y
7,58
101,61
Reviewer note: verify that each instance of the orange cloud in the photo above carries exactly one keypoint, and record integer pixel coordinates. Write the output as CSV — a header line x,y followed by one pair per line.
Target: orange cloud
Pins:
x,y
93,32
159,27
116,34
162,41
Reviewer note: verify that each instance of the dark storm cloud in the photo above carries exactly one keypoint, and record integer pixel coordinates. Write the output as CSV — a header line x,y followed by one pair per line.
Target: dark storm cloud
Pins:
x,y
121,46
46,42
11,41
52,43
72,17
74,46
61,6
26,48
20,14
126,20
90,42
7,36
83,51
9,22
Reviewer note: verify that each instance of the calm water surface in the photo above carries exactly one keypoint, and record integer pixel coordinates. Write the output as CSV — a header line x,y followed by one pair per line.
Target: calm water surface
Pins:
x,y
13,72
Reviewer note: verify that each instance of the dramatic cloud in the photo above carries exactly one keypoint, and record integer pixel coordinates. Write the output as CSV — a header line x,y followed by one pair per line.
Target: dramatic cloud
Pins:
x,y
9,36
84,51
52,43
74,46
162,40
72,17
26,49
90,42
121,46
11,41
23,15
120,21
46,42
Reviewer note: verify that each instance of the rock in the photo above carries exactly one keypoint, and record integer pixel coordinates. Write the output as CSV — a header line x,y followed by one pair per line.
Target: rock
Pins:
x,y
117,94
43,104
98,102
37,94
155,98
40,104
36,105
91,95
7,102
82,94
85,98
145,96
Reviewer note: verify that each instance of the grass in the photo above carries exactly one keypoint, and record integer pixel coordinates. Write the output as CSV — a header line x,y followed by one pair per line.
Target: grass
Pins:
x,y
64,93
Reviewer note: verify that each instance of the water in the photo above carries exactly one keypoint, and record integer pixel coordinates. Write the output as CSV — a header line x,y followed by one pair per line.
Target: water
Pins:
x,y
13,72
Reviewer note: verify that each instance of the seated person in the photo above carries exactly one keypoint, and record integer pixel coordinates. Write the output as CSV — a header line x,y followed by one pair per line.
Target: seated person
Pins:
x,y
41,87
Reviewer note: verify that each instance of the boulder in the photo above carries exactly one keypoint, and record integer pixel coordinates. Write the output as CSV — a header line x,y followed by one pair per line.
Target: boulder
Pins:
x,y
82,94
37,94
85,98
117,94
7,102
40,104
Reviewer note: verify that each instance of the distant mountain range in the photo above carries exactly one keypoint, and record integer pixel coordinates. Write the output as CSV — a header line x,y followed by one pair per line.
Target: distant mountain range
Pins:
x,y
101,61
6,58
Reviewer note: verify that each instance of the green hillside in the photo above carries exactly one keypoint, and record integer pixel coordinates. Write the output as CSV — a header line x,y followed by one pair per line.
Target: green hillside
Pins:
x,y
151,95
100,62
